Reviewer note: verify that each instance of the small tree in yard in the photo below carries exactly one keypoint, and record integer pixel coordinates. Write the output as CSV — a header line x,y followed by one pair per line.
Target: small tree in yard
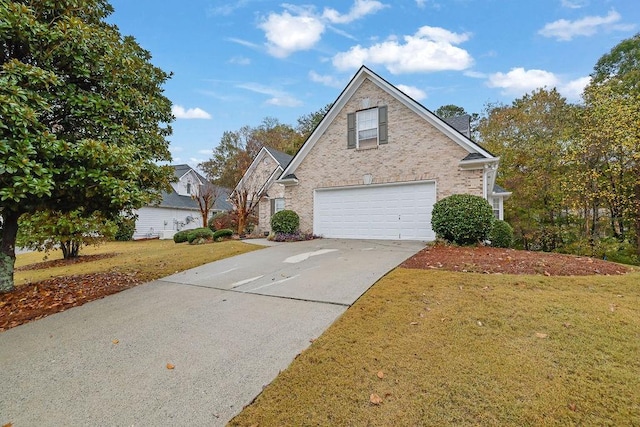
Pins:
x,y
206,197
462,218
44,231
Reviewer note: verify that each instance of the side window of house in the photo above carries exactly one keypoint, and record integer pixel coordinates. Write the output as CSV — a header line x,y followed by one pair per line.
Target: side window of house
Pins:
x,y
495,202
188,188
367,128
277,205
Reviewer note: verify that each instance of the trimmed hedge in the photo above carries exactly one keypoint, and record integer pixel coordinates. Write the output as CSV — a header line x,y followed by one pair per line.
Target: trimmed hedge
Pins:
x,y
199,233
501,235
286,221
180,236
462,218
225,232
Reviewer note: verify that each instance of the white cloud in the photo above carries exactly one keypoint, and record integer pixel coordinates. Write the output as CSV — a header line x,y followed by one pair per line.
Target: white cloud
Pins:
x,y
325,80
301,27
519,81
429,49
278,97
359,9
573,89
565,30
574,4
244,43
192,113
475,74
414,92
287,33
240,60
421,3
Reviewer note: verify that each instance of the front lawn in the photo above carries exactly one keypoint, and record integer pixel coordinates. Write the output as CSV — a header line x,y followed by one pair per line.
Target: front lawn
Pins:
x,y
429,347
54,285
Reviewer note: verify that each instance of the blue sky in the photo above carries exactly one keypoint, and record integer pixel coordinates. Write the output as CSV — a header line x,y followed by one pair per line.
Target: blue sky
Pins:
x,y
236,62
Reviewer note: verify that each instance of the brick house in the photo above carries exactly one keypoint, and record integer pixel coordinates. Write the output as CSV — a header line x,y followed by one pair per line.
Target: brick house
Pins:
x,y
376,164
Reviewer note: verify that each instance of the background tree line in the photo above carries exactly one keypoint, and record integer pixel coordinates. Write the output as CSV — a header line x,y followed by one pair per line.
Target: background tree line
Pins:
x,y
574,169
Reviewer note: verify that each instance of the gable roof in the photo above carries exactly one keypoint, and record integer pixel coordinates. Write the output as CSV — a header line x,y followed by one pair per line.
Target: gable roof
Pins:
x,y
171,199
281,159
480,154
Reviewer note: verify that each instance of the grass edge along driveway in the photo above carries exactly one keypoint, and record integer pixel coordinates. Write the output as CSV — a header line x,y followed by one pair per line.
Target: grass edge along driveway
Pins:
x,y
425,347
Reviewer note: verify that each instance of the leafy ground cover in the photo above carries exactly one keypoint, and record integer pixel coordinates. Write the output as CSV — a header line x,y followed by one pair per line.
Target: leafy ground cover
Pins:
x,y
49,286
427,346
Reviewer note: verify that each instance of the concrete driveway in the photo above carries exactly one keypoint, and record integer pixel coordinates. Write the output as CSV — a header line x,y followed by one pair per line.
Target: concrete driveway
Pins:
x,y
228,327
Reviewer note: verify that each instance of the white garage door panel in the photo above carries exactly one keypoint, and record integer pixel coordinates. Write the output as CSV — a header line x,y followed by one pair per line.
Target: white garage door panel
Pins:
x,y
401,211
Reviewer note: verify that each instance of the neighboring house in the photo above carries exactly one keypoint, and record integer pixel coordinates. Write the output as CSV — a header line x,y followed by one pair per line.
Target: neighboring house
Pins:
x,y
259,181
178,210
376,164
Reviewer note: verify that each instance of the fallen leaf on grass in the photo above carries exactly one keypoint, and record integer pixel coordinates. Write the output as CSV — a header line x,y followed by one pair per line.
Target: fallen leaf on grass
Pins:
x,y
413,323
380,374
375,399
541,335
573,407
170,366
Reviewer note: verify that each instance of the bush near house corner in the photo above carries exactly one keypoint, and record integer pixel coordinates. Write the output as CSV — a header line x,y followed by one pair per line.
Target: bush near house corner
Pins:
x,y
501,235
199,233
463,219
286,221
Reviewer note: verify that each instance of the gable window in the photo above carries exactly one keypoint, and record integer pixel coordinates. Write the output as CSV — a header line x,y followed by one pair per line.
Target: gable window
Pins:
x,y
277,205
189,188
367,128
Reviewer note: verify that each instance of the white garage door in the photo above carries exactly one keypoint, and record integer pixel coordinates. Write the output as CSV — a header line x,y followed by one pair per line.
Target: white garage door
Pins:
x,y
390,212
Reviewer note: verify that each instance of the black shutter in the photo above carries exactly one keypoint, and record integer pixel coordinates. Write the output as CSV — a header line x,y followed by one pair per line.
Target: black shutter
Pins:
x,y
273,206
351,130
382,125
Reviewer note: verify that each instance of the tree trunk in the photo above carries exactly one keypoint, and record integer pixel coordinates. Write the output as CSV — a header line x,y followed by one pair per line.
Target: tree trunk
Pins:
x,y
8,250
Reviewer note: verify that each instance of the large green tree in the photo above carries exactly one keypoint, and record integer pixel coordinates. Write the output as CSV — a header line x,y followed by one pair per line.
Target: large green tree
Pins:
x,y
610,140
531,136
83,118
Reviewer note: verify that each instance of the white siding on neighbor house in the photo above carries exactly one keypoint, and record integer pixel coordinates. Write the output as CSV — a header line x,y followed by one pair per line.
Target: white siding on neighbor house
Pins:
x,y
390,212
153,220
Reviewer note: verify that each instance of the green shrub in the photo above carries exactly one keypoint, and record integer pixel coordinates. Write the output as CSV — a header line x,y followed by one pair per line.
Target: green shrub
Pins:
x,y
285,221
199,233
126,228
501,235
462,218
225,232
180,236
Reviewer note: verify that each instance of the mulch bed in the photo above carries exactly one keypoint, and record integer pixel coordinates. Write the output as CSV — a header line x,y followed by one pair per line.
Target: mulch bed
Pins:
x,y
483,259
37,300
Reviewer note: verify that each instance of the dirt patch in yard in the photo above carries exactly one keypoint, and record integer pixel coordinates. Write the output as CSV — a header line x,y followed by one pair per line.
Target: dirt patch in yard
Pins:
x,y
484,259
65,262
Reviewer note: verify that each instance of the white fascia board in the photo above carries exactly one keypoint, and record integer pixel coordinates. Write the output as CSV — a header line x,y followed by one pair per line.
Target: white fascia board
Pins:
x,y
479,163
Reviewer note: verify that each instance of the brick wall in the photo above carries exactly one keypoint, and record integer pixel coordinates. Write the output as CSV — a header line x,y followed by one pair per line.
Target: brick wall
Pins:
x,y
415,151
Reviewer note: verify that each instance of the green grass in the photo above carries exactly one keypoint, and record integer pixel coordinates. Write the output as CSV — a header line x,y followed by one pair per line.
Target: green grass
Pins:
x,y
469,349
148,259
